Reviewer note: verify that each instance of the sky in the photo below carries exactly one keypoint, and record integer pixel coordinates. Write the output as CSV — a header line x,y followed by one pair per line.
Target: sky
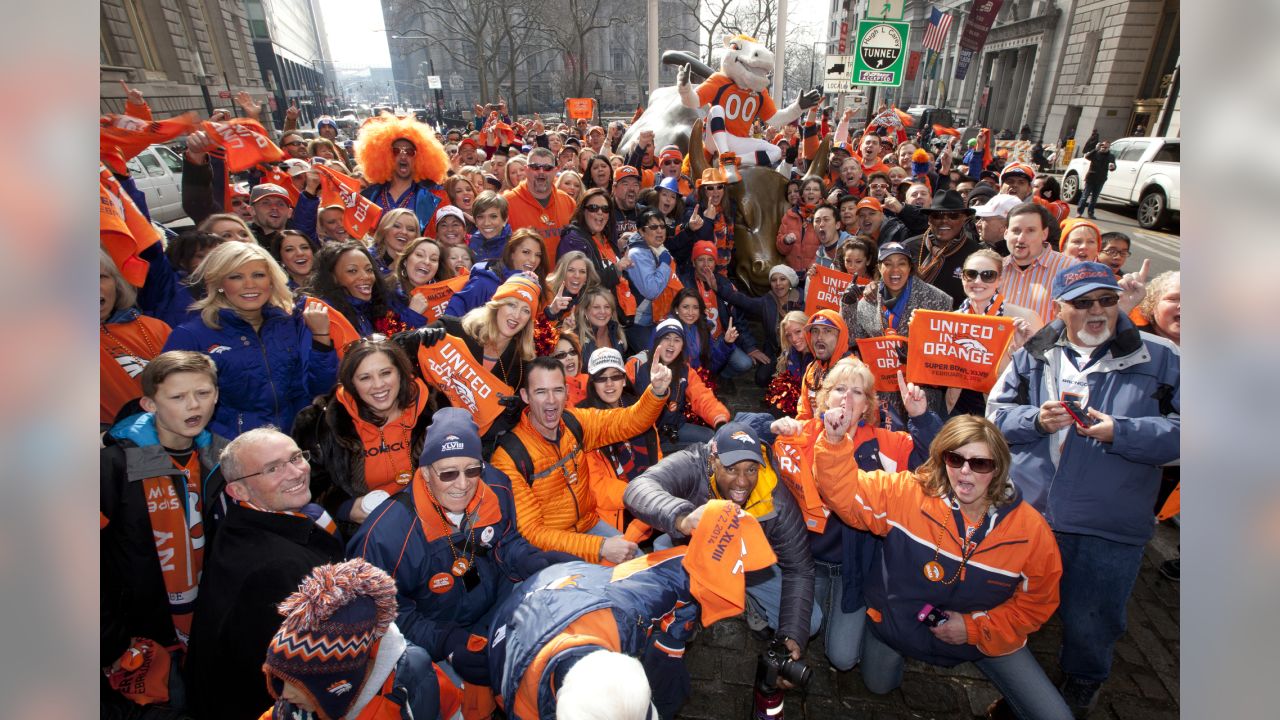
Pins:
x,y
357,38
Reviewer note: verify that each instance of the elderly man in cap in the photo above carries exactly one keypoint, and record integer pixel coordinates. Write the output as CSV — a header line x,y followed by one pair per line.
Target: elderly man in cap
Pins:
x,y
1090,407
941,250
272,537
672,495
992,219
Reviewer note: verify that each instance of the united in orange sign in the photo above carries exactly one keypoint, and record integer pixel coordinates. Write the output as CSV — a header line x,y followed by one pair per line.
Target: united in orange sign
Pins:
x,y
957,349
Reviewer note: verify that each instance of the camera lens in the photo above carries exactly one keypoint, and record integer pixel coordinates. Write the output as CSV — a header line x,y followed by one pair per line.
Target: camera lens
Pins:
x,y
795,672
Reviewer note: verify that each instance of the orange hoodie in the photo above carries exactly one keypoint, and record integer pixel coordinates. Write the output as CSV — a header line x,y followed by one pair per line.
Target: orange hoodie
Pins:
x,y
818,369
524,211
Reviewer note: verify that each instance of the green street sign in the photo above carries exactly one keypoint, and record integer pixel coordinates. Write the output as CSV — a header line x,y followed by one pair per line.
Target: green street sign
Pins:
x,y
880,56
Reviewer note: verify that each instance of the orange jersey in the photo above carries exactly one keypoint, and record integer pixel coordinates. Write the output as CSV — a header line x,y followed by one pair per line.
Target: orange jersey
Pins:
x,y
741,106
124,349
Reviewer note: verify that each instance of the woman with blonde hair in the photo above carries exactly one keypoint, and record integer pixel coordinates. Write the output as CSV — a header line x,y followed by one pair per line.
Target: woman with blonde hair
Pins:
x,y
595,321
783,391
513,173
272,359
565,287
421,263
395,230
966,571
842,555
569,182
227,226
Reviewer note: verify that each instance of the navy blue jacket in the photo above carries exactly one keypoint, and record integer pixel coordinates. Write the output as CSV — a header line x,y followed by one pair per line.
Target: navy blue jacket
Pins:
x,y
264,377
481,285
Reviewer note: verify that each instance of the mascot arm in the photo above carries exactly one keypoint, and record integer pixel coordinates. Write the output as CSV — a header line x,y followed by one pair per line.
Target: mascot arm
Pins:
x,y
807,99
688,96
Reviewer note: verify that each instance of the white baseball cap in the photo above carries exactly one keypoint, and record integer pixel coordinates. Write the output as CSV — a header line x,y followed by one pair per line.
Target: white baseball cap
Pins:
x,y
998,206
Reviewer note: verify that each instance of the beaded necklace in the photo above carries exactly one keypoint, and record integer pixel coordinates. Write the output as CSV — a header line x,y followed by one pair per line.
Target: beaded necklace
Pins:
x,y
933,569
119,349
402,478
461,561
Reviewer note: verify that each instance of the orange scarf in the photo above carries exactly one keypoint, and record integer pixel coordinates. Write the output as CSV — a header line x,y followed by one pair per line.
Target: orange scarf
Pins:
x,y
179,534
626,299
245,142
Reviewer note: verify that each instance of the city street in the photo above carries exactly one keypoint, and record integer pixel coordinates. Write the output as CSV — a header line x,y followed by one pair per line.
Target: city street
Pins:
x,y
1164,246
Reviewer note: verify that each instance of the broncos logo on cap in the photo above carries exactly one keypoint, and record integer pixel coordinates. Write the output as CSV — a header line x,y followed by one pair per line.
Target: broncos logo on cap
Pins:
x,y
741,436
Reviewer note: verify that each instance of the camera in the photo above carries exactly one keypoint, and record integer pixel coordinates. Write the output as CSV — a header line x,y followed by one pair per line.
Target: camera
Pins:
x,y
776,663
932,616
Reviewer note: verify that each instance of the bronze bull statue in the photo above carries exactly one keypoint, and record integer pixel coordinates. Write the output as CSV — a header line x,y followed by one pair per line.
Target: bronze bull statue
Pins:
x,y
761,197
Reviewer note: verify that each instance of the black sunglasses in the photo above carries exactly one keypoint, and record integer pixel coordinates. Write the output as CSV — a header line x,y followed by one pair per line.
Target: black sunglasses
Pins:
x,y
936,215
1105,301
955,461
986,275
472,473
562,354
595,208
541,167
609,378
655,227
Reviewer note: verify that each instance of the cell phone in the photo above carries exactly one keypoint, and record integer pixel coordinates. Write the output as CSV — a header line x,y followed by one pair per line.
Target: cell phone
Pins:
x,y
932,616
1079,413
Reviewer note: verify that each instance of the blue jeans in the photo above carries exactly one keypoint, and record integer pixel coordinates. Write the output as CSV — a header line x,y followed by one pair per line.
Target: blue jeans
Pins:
x,y
603,529
764,589
1097,578
1018,677
1090,195
843,633
739,362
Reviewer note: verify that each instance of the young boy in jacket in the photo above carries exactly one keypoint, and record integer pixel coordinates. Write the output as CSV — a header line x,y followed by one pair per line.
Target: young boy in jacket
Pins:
x,y
160,496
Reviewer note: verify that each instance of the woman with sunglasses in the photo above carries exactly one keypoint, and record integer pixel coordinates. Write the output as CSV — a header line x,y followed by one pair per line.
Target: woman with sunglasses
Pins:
x,y
345,279
523,253
981,278
622,462
365,435
271,357
713,217
842,555
568,350
451,543
653,276
967,570
592,233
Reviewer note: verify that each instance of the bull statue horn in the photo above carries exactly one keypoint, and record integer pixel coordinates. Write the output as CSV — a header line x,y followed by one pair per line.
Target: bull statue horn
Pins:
x,y
697,158
821,159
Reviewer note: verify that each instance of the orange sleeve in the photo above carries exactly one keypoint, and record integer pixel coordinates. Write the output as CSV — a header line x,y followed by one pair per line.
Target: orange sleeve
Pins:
x,y
897,446
767,107
804,410
529,517
606,427
704,402
142,111
784,227
864,500
1004,628
707,90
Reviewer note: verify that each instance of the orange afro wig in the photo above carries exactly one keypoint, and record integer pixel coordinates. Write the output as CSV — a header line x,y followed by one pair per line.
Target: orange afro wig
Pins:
x,y
373,149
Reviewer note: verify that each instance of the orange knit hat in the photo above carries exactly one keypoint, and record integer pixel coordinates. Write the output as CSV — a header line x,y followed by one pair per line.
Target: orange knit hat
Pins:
x,y
1071,224
521,288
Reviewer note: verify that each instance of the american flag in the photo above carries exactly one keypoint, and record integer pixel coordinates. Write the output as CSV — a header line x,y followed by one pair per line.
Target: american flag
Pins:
x,y
936,33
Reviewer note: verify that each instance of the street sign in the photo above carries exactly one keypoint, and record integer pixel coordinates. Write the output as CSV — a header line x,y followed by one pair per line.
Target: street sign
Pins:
x,y
224,94
433,82
455,82
885,9
836,78
881,53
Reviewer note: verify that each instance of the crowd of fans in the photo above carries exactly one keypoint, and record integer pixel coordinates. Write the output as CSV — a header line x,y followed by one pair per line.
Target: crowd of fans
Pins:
x,y
377,442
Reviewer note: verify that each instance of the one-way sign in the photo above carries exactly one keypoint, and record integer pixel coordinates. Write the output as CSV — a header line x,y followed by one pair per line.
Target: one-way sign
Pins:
x,y
839,69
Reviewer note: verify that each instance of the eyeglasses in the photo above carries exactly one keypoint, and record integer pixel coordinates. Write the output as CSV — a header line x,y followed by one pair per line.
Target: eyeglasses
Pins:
x,y
1105,301
878,186
955,461
448,476
670,162
595,208
655,227
410,151
986,275
541,167
298,460
562,354
619,377
1114,251
945,215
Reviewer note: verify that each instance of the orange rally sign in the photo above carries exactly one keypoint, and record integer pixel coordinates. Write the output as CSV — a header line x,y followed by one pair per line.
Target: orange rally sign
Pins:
x,y
825,288
438,295
957,349
795,468
360,215
245,141
881,356
450,368
580,108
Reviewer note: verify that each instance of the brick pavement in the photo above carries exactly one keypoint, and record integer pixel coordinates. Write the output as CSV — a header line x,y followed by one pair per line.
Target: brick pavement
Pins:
x,y
1143,683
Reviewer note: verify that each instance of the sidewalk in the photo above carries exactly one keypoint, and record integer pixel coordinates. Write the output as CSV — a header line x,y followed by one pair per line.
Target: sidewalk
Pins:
x,y
1143,683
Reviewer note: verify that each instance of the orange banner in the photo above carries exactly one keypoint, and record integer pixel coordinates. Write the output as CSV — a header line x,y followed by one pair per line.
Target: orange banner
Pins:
x,y
438,294
826,286
449,367
245,141
123,231
957,349
361,215
122,137
881,356
580,108
795,469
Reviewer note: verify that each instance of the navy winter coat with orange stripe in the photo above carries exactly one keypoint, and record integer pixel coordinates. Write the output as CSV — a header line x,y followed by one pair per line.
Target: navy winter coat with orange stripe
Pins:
x,y
406,537
1009,587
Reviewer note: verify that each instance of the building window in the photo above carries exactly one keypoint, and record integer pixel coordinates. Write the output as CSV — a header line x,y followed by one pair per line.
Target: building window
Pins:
x,y
142,35
1088,57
